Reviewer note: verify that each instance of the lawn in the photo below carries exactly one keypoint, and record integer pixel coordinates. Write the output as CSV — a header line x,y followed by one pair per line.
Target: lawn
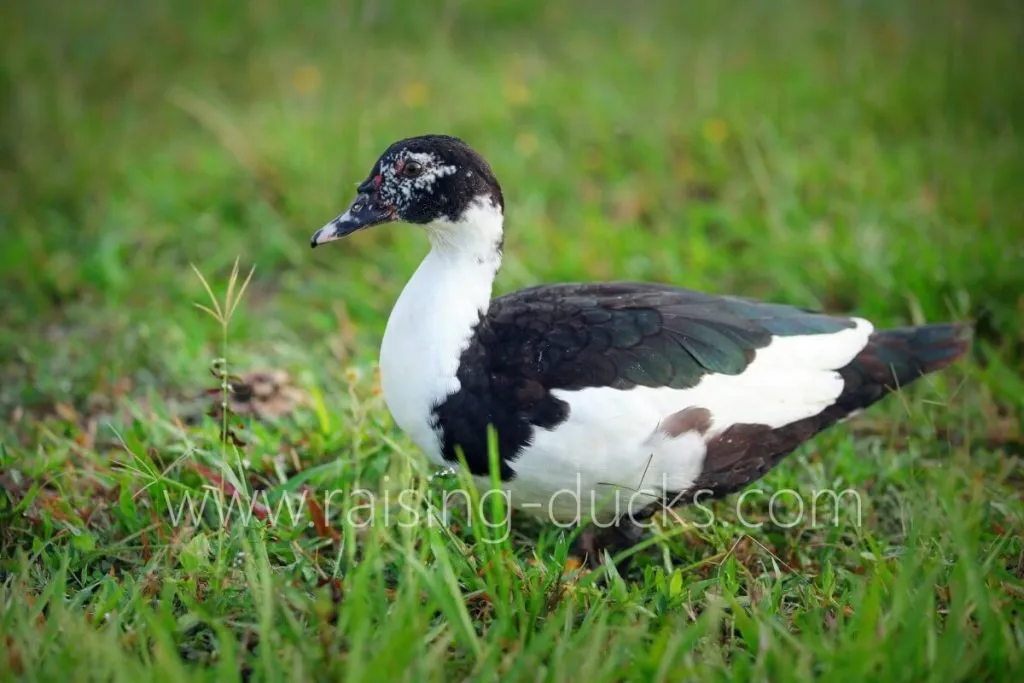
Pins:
x,y
851,156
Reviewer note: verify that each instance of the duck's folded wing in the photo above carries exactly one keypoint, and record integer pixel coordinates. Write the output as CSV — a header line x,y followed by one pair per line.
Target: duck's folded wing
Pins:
x,y
625,335
754,379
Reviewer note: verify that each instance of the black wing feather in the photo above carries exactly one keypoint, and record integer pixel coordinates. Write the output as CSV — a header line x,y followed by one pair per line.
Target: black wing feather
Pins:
x,y
630,334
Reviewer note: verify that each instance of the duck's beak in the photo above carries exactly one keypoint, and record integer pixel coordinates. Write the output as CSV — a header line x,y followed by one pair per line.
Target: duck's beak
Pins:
x,y
363,213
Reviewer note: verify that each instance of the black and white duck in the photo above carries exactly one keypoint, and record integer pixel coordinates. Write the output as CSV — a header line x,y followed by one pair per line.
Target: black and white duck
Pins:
x,y
631,396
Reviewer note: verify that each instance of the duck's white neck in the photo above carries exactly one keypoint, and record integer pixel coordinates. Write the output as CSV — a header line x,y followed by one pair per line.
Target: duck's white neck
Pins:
x,y
434,318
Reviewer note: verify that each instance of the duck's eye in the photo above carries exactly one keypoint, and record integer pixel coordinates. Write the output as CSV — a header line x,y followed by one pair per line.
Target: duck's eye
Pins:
x,y
411,169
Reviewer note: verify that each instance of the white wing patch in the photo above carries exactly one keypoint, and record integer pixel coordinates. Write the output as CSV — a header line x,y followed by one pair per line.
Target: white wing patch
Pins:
x,y
790,379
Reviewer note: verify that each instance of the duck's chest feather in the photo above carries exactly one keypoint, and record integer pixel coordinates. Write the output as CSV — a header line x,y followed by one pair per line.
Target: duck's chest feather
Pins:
x,y
433,322
420,352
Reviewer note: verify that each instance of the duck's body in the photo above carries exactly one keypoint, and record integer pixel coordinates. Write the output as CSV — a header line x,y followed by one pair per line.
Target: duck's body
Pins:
x,y
607,400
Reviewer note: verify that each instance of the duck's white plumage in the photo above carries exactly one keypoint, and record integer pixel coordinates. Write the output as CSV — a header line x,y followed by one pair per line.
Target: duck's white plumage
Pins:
x,y
432,322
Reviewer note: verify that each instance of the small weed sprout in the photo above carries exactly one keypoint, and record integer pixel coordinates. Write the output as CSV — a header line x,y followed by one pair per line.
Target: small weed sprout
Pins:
x,y
223,312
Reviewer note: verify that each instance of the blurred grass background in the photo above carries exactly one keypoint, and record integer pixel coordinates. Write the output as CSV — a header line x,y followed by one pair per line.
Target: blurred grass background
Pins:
x,y
850,155
857,156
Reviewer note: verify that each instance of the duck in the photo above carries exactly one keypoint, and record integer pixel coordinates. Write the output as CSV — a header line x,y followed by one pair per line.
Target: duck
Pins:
x,y
602,402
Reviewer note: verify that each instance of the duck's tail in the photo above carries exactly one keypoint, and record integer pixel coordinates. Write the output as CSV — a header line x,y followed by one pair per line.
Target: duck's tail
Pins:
x,y
896,357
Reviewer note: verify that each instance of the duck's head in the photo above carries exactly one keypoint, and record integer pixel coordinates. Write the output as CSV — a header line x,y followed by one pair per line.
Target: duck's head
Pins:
x,y
429,180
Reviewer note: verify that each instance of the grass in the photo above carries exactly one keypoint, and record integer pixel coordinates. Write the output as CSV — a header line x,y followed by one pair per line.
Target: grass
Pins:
x,y
853,156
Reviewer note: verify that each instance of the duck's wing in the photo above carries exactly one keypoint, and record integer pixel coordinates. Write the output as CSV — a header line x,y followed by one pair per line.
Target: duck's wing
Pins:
x,y
622,335
755,379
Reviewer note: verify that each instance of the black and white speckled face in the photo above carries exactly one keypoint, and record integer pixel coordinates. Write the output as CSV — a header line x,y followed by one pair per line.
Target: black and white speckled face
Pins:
x,y
417,180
